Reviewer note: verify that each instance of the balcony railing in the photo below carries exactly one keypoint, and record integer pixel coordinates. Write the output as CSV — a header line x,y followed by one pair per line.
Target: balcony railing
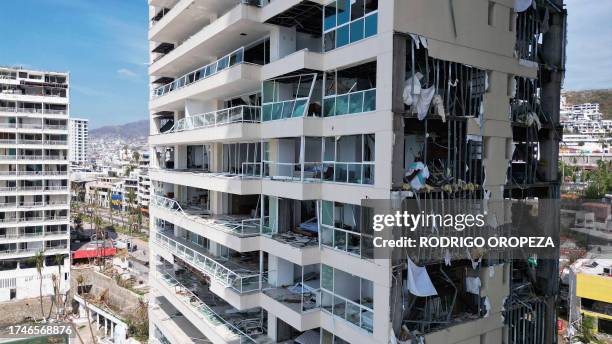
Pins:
x,y
32,234
33,219
32,157
237,114
56,126
234,58
56,142
32,110
202,310
349,103
293,171
285,109
33,173
348,310
241,283
349,172
226,223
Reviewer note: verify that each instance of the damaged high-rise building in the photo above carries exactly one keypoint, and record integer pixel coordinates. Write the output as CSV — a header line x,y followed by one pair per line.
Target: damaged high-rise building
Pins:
x,y
271,121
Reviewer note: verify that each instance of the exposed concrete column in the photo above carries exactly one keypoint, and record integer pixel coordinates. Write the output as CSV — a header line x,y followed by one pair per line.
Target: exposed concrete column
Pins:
x,y
282,42
553,53
180,157
397,105
272,330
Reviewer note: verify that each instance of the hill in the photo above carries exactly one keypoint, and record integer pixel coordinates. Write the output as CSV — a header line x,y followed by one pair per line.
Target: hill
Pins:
x,y
128,131
603,97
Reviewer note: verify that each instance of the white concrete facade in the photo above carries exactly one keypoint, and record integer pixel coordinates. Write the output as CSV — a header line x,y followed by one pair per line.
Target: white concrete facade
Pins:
x,y
79,138
270,123
34,186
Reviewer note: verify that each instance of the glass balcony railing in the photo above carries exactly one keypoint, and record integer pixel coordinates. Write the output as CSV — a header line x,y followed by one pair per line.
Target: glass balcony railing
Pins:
x,y
240,282
293,171
348,310
285,109
234,58
349,103
349,172
202,310
236,114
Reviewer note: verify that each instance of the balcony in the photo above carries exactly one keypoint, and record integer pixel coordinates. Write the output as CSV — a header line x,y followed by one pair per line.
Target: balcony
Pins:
x,y
237,328
229,274
33,110
234,182
24,252
289,97
33,157
349,103
23,234
227,61
211,40
237,114
241,226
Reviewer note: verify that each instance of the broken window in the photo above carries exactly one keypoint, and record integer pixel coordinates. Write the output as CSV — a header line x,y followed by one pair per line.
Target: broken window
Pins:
x,y
342,228
242,158
439,88
296,286
442,296
452,158
291,97
348,297
295,159
528,33
349,159
351,90
289,221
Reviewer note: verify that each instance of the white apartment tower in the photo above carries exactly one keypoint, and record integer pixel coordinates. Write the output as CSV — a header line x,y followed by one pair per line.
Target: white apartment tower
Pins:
x,y
79,137
272,120
34,187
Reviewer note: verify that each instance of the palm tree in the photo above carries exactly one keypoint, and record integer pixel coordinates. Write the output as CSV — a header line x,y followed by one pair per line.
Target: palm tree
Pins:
x,y
80,282
99,235
39,261
110,207
131,196
59,261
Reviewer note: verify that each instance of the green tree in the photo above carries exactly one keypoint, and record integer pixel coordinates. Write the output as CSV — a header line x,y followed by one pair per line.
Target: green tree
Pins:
x,y
586,333
600,181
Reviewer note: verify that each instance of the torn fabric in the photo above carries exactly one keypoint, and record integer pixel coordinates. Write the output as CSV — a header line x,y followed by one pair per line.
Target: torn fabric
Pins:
x,y
418,281
472,285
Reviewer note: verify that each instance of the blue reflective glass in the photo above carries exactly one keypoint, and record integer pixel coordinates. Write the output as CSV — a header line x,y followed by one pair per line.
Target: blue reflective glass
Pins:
x,y
369,103
329,107
330,16
356,102
300,106
357,30
371,25
344,15
342,36
277,109
266,112
342,105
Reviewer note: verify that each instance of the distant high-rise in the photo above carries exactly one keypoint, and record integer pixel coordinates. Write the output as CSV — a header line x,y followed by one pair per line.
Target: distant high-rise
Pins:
x,y
79,132
34,187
